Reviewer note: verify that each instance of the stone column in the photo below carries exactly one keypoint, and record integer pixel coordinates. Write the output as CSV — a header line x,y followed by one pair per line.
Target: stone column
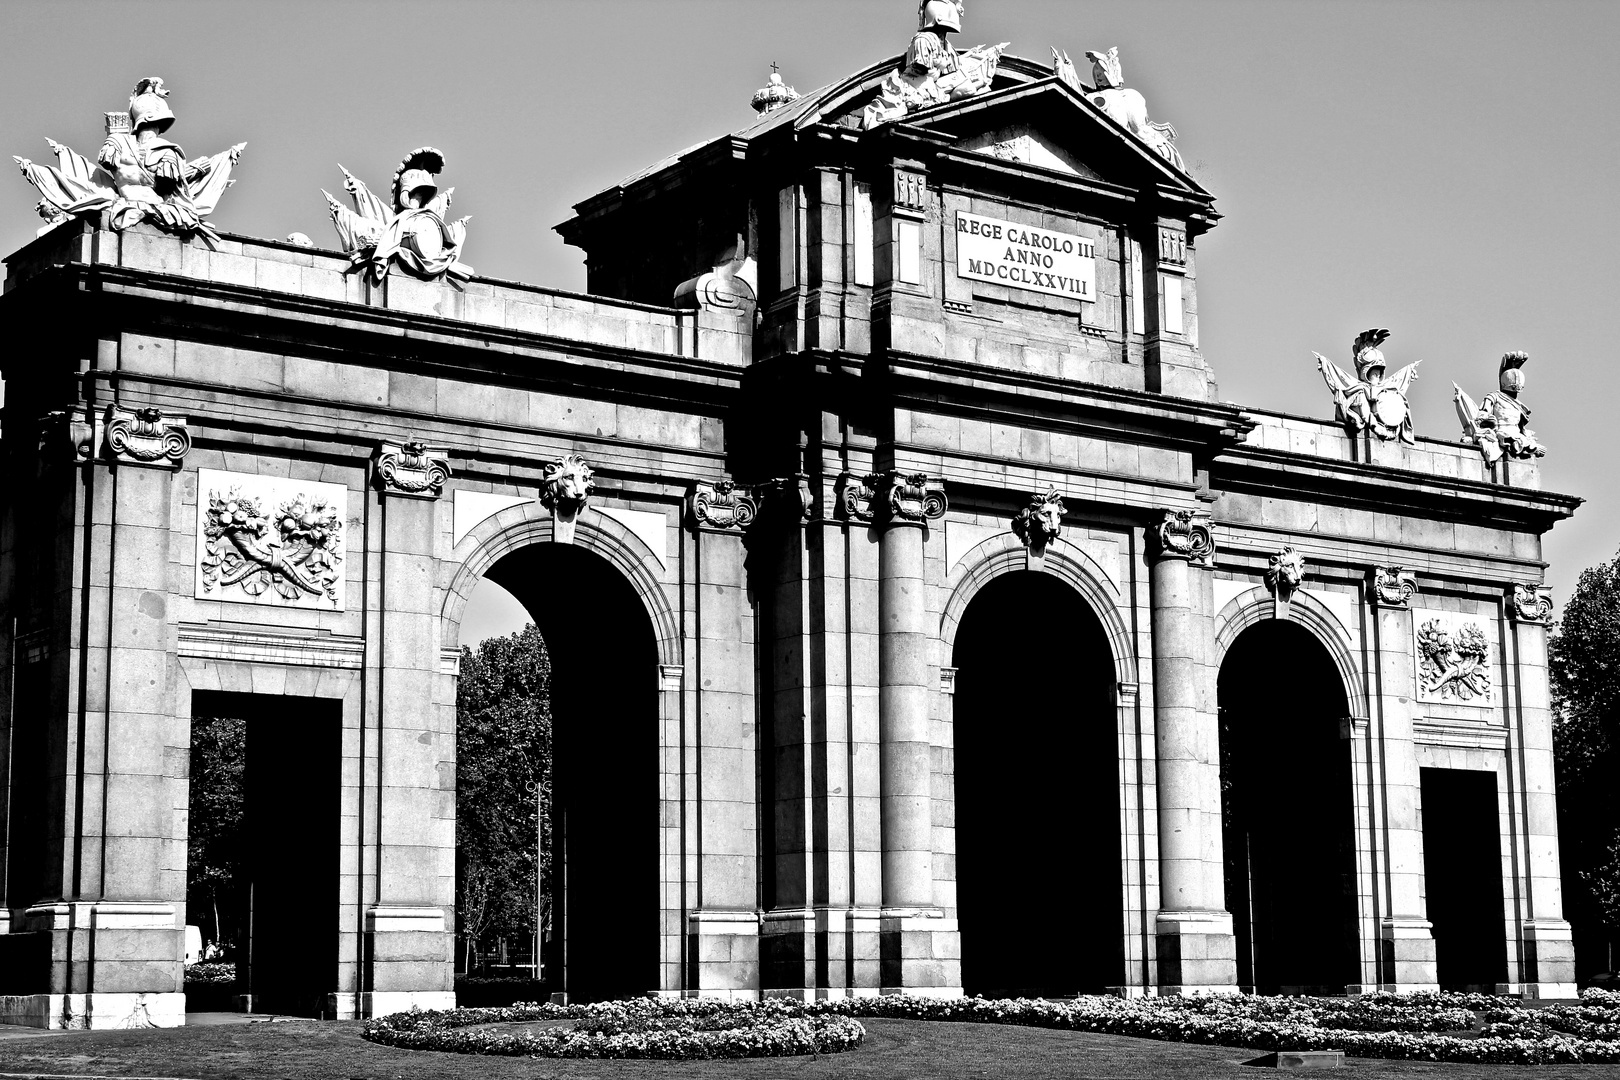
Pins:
x,y
1196,949
1548,951
106,909
723,928
409,944
1406,953
920,949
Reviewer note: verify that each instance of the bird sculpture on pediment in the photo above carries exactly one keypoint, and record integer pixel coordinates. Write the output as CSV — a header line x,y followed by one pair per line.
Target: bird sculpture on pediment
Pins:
x,y
1368,400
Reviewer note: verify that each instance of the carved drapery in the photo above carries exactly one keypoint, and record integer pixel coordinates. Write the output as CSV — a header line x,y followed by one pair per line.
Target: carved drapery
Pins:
x,y
412,469
1393,586
1530,603
722,505
1040,522
1183,534
144,437
565,487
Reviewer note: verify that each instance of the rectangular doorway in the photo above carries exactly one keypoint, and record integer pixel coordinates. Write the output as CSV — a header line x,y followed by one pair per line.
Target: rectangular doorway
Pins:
x,y
287,869
1462,877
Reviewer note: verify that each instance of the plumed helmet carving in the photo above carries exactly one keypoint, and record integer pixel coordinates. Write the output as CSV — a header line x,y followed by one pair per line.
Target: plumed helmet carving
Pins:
x,y
146,105
1368,356
943,15
415,176
1510,378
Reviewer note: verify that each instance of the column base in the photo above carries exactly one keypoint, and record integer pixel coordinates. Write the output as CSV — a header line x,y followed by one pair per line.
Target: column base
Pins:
x,y
1549,960
920,952
94,1011
1406,956
1197,952
723,955
386,1002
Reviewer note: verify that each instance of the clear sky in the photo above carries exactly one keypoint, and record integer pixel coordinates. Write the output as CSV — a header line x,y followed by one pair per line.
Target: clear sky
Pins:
x,y
1447,169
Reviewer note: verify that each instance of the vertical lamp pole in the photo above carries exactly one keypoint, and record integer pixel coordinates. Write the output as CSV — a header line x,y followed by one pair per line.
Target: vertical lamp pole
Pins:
x,y
539,879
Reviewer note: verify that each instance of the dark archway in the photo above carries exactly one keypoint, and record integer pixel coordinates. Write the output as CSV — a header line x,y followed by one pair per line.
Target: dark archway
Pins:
x,y
1462,878
1038,856
1288,812
605,812
268,821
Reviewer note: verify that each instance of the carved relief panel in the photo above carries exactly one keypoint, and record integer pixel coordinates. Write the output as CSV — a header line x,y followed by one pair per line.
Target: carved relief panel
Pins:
x,y
270,540
1457,658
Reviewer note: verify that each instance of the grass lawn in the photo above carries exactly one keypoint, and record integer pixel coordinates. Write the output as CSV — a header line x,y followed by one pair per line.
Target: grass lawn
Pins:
x,y
892,1048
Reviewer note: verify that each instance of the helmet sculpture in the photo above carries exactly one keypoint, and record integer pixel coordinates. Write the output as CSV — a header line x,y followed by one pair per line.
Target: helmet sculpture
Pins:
x,y
1369,357
413,180
945,15
148,107
1511,377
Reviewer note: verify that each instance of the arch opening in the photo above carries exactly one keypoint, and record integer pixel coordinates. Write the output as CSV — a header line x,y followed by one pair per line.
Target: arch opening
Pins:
x,y
1462,878
1038,863
604,879
1287,812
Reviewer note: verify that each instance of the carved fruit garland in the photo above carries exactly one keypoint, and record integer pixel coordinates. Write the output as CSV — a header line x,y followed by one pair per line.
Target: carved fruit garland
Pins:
x,y
296,553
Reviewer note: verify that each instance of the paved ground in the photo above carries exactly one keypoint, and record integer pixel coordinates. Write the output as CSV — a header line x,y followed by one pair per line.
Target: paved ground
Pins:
x,y
892,1048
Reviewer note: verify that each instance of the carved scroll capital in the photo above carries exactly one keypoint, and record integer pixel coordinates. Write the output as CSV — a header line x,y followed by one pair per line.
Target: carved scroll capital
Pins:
x,y
1040,522
1393,586
68,435
909,498
1530,603
1183,534
412,469
722,505
144,437
855,497
786,500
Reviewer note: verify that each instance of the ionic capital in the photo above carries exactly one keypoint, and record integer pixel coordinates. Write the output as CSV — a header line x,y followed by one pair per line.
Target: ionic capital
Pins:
x,y
1530,603
411,469
1188,535
144,437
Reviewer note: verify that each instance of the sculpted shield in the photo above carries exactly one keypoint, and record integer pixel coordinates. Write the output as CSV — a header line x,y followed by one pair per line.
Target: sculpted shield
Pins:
x,y
1389,406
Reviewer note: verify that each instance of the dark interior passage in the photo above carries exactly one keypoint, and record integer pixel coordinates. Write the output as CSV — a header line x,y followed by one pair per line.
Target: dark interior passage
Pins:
x,y
1462,878
1039,892
1288,813
287,893
604,702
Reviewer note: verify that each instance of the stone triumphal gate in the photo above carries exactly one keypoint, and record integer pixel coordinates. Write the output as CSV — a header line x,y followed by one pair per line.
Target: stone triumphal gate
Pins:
x,y
920,619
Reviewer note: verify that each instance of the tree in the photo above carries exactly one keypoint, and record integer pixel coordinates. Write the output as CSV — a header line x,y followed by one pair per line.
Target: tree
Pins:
x,y
213,850
1585,663
503,787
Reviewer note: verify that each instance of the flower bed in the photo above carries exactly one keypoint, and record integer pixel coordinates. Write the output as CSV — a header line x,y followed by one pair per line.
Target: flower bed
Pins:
x,y
674,1030
1425,1027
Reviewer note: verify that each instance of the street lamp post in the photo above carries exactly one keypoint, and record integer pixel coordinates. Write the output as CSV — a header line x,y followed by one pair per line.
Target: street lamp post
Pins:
x,y
539,880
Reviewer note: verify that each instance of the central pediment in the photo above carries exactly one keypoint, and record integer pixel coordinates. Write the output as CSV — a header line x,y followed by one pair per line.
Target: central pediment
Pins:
x,y
1028,146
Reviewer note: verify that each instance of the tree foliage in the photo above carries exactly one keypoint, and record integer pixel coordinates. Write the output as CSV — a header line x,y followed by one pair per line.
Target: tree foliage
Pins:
x,y
214,847
1585,663
503,787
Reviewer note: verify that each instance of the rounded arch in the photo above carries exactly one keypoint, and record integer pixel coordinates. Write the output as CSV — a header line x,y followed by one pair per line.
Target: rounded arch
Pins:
x,y
1256,605
529,523
1004,553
